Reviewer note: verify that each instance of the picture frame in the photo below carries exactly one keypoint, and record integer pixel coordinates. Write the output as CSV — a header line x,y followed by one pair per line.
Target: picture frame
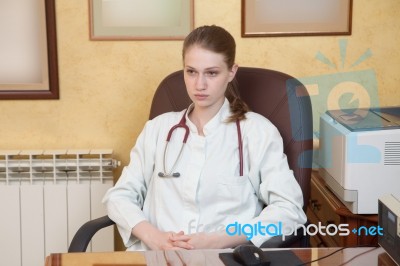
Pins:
x,y
29,65
273,18
140,20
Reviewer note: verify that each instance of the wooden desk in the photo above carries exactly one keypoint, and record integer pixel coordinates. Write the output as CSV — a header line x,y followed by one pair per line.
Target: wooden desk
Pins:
x,y
350,256
326,208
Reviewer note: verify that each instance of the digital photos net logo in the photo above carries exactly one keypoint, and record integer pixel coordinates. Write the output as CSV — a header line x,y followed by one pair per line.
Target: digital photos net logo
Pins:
x,y
345,89
279,229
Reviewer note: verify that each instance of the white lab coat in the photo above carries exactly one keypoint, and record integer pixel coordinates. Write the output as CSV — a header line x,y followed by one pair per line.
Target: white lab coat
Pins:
x,y
209,194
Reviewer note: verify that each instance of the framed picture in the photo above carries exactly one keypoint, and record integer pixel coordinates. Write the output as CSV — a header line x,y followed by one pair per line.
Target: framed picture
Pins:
x,y
268,18
140,20
28,50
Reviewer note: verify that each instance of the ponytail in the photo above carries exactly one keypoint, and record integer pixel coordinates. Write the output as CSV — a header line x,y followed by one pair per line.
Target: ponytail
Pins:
x,y
237,106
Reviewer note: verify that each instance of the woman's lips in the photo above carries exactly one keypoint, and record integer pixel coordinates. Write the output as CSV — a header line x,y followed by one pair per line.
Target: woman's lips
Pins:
x,y
200,96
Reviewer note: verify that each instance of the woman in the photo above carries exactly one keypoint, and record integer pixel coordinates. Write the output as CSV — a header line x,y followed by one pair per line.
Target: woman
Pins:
x,y
189,198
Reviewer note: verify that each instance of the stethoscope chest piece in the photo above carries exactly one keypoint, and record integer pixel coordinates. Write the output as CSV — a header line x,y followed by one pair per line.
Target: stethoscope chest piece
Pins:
x,y
161,174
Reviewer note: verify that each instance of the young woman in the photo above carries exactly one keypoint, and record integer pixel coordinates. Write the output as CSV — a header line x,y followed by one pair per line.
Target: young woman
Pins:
x,y
186,196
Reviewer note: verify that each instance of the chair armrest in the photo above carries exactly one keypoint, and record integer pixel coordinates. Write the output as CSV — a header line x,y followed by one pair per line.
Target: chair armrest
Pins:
x,y
85,233
295,240
277,242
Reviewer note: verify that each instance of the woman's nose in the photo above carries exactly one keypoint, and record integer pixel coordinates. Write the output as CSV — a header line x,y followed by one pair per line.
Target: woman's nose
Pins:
x,y
200,82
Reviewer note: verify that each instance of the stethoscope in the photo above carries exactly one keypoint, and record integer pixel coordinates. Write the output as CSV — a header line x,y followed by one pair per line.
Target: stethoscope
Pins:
x,y
182,124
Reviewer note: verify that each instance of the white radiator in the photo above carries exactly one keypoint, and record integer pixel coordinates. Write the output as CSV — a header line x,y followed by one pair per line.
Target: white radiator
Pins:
x,y
45,196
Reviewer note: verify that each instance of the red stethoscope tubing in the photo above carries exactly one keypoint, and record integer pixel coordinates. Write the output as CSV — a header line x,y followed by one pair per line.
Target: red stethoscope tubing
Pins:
x,y
240,146
182,124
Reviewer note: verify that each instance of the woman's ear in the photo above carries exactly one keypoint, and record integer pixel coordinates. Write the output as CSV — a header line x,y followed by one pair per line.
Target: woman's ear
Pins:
x,y
233,71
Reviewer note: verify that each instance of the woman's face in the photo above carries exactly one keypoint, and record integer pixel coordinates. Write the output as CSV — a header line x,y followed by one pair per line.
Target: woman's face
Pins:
x,y
206,77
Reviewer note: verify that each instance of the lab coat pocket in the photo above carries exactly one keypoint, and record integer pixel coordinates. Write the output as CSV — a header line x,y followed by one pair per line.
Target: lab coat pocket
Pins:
x,y
235,195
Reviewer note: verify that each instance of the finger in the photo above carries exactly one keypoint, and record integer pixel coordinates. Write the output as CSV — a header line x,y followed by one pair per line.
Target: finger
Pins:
x,y
173,234
180,238
173,248
182,244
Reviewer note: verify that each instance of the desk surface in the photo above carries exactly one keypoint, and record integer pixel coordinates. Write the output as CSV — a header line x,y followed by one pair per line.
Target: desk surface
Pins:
x,y
349,256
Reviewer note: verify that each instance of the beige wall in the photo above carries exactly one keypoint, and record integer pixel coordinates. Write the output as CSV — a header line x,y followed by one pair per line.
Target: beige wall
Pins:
x,y
106,86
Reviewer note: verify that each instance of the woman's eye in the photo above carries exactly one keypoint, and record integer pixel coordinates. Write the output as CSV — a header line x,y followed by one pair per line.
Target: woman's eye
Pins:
x,y
212,73
190,72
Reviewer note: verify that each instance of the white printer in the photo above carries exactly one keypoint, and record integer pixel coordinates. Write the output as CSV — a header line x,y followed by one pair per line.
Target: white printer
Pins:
x,y
359,155
389,221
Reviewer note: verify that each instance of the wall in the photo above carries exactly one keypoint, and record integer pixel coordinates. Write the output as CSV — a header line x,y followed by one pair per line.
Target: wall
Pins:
x,y
106,87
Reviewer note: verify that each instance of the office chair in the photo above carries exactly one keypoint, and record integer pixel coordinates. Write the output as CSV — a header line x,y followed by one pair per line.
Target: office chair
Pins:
x,y
275,95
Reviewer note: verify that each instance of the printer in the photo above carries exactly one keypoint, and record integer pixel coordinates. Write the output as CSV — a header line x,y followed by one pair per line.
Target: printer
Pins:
x,y
389,221
359,155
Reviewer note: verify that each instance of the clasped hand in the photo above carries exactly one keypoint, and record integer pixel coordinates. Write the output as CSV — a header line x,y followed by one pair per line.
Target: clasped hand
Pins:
x,y
156,239
194,241
172,240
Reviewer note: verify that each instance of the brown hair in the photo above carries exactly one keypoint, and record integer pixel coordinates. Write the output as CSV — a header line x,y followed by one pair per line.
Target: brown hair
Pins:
x,y
218,40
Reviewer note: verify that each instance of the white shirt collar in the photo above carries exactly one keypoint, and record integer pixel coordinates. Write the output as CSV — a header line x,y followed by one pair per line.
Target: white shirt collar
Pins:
x,y
218,119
